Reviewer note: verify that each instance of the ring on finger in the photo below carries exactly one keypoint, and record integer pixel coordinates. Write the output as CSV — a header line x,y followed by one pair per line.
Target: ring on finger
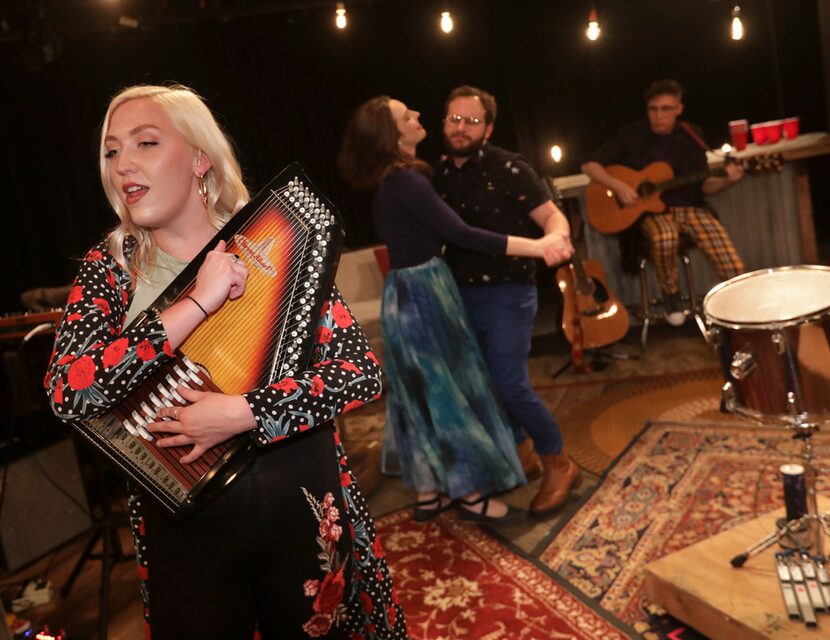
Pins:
x,y
236,257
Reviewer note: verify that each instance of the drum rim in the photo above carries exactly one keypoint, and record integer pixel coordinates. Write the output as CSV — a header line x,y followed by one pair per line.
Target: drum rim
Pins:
x,y
787,421
765,324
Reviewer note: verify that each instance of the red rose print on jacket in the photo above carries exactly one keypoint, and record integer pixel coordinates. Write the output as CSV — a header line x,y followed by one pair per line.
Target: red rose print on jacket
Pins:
x,y
377,548
114,352
352,404
317,386
324,335
145,350
318,626
366,599
81,373
342,317
331,592
349,366
102,304
286,385
75,295
58,394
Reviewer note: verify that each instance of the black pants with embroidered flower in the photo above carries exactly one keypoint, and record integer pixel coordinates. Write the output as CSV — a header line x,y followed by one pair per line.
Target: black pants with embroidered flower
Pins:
x,y
272,552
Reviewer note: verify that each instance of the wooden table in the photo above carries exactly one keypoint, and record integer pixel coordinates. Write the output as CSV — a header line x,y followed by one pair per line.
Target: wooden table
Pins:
x,y
699,586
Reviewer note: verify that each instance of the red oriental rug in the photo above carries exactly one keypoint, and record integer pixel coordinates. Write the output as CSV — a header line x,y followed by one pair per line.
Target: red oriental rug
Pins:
x,y
676,485
456,582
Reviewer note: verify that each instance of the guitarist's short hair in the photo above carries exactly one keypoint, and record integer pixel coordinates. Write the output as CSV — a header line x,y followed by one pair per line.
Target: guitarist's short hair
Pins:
x,y
663,88
488,101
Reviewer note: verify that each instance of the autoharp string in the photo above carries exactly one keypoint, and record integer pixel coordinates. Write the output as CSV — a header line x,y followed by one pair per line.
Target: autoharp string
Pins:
x,y
292,233
287,278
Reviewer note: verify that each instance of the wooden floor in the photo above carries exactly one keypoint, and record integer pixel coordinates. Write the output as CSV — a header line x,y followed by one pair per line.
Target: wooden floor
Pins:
x,y
78,612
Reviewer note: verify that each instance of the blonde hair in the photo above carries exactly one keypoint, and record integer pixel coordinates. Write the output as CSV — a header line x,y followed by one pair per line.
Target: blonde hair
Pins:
x,y
192,118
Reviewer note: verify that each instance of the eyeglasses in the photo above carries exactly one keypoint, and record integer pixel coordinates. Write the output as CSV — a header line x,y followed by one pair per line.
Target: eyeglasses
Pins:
x,y
457,119
663,108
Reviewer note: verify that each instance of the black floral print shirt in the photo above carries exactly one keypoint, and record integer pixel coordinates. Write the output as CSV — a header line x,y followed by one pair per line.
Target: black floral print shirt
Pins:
x,y
495,190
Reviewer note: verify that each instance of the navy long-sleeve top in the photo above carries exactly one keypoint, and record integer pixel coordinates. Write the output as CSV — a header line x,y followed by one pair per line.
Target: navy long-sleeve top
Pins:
x,y
415,222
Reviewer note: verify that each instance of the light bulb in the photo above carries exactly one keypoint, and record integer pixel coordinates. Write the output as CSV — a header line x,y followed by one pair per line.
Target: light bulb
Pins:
x,y
737,28
340,20
593,30
726,148
556,153
446,22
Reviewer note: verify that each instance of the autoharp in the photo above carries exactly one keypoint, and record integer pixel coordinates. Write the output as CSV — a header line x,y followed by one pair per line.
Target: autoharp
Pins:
x,y
290,237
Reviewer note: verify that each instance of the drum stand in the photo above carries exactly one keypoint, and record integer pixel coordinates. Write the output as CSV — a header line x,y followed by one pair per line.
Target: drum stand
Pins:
x,y
105,530
815,523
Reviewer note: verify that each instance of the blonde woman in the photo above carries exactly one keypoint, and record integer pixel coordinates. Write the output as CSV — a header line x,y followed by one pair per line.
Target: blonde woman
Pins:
x,y
250,560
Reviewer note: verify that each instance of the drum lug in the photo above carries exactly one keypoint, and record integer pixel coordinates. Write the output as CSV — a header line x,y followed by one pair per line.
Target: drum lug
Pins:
x,y
728,398
791,408
742,365
778,341
713,336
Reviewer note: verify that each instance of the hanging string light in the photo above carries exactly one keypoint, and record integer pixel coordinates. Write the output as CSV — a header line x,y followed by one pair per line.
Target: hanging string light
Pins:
x,y
593,30
556,153
446,22
340,16
736,29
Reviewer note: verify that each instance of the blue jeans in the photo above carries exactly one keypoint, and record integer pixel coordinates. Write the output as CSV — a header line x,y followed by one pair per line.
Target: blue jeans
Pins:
x,y
502,316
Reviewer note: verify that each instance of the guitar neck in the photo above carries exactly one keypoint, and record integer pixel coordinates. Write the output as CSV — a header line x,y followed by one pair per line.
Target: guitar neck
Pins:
x,y
689,178
579,268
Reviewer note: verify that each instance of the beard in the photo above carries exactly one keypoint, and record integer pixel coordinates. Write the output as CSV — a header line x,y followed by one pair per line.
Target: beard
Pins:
x,y
467,149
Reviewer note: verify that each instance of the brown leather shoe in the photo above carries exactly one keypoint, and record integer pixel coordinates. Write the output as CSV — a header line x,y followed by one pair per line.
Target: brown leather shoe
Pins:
x,y
531,464
559,475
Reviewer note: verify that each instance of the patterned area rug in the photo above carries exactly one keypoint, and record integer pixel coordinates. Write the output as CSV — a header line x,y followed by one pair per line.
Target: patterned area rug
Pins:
x,y
676,485
600,418
601,411
456,582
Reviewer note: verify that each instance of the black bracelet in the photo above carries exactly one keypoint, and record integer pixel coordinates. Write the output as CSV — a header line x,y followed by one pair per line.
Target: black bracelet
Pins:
x,y
196,302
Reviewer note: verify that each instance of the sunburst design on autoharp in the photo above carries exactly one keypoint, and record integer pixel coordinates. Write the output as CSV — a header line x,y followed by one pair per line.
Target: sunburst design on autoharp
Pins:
x,y
290,237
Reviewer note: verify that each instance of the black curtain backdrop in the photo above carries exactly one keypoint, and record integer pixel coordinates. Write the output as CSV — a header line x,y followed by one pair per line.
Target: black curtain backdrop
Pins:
x,y
284,83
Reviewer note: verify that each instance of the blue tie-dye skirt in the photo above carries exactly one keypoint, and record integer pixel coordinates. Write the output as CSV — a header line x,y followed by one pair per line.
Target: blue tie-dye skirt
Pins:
x,y
444,431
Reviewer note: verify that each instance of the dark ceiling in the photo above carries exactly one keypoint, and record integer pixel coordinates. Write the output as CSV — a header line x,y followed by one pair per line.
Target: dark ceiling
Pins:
x,y
20,18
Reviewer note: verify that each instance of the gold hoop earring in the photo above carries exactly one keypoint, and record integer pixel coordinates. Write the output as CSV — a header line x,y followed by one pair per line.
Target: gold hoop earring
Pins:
x,y
203,190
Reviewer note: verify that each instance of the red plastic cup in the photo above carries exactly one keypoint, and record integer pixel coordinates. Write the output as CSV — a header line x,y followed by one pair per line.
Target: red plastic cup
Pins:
x,y
739,130
759,133
773,131
790,127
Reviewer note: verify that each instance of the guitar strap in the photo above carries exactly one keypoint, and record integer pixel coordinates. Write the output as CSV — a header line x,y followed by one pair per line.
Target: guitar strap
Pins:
x,y
694,135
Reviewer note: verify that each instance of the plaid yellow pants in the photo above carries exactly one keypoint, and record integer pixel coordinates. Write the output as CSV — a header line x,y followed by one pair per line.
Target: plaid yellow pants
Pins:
x,y
662,230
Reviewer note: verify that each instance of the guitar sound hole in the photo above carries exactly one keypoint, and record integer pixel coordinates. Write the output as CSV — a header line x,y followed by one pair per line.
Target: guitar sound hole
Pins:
x,y
599,295
645,189
600,292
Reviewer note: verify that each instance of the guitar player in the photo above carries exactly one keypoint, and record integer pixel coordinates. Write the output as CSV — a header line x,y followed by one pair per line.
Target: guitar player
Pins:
x,y
665,138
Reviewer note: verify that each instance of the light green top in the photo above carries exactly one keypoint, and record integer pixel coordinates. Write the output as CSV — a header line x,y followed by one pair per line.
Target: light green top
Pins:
x,y
160,273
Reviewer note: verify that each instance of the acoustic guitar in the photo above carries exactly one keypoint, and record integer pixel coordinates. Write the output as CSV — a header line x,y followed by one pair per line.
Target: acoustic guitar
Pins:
x,y
592,316
607,214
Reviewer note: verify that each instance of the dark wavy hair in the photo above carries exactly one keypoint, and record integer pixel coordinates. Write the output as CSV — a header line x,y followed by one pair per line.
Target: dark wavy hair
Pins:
x,y
370,150
664,88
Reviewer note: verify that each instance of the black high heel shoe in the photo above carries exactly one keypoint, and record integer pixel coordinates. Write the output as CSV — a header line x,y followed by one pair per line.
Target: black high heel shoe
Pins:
x,y
512,514
419,514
